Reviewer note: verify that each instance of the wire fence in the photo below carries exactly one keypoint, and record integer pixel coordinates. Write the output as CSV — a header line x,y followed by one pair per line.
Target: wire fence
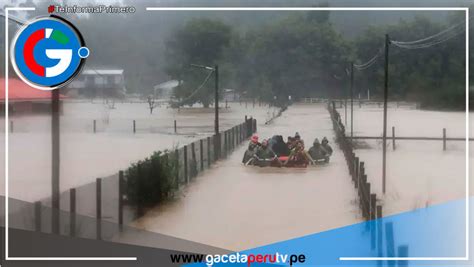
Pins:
x,y
341,103
367,200
102,209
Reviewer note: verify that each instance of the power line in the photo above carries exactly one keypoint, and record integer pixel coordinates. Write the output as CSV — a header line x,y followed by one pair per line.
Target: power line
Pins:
x,y
369,63
429,44
432,40
199,88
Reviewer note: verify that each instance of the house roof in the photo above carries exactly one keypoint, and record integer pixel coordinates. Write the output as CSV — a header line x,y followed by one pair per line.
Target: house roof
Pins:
x,y
20,91
102,72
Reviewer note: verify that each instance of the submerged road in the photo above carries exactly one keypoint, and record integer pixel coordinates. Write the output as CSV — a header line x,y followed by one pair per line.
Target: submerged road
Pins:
x,y
238,207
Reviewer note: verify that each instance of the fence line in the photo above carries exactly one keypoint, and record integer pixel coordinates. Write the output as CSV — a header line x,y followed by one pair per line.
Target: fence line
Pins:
x,y
107,200
360,102
100,209
367,200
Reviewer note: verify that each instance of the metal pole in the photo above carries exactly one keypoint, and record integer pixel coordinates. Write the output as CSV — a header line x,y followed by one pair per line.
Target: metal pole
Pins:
x,y
385,97
352,98
55,190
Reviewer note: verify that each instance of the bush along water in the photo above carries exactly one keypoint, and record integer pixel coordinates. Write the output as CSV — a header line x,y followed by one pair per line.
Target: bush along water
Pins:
x,y
152,180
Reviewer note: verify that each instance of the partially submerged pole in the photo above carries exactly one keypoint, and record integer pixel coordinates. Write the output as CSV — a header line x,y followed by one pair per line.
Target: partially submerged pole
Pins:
x,y
55,161
385,97
444,139
216,112
352,99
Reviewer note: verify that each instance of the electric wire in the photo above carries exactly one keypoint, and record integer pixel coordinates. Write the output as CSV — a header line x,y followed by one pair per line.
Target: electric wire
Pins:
x,y
198,89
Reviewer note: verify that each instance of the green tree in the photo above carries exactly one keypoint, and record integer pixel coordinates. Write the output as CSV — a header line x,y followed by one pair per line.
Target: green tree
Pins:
x,y
297,56
434,76
199,41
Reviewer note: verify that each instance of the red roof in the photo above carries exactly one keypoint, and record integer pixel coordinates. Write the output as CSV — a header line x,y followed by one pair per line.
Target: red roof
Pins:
x,y
19,90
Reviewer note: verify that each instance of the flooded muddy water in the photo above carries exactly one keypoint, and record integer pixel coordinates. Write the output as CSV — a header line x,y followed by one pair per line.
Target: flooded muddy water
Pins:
x,y
238,207
86,155
419,173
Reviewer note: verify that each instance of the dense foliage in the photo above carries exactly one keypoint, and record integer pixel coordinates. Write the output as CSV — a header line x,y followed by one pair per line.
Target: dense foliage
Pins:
x,y
434,76
151,180
268,55
200,41
303,55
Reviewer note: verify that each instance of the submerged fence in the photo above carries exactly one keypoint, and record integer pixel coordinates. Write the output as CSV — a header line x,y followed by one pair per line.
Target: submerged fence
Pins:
x,y
363,102
367,200
99,210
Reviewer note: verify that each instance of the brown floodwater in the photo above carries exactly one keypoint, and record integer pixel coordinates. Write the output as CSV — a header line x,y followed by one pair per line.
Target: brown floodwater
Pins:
x,y
238,207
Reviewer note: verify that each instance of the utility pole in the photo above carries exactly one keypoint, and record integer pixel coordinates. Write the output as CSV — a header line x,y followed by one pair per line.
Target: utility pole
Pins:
x,y
385,97
216,100
55,112
352,99
217,139
55,189
216,110
345,109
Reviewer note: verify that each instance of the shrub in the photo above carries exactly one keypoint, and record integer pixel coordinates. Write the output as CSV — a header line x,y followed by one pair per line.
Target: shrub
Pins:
x,y
152,180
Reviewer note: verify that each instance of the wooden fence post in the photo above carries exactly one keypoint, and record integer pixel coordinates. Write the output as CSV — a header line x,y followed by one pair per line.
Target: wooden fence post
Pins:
x,y
208,152
226,149
38,218
367,199
175,127
379,212
379,233
98,208
120,199
185,162
194,161
444,139
234,130
393,138
216,147
373,210
201,153
94,126
352,161
242,132
176,152
373,204
361,173
72,212
356,172
390,239
134,127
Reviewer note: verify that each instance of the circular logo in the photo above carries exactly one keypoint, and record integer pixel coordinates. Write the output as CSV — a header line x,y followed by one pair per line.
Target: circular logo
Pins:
x,y
48,52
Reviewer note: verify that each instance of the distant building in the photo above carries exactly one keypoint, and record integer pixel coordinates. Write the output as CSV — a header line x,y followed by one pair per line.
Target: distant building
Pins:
x,y
98,83
24,99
